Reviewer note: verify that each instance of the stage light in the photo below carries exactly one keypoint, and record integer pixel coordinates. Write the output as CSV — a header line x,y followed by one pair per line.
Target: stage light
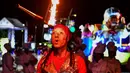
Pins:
x,y
23,24
72,29
75,15
45,26
47,36
40,43
45,43
33,45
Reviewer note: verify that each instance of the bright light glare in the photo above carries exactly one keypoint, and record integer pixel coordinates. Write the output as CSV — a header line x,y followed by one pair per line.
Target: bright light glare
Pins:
x,y
53,12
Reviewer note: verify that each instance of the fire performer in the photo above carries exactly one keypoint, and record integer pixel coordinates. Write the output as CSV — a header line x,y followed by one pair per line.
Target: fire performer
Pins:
x,y
59,59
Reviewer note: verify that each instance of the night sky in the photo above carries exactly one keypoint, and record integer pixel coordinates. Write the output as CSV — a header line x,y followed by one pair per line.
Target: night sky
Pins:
x,y
88,11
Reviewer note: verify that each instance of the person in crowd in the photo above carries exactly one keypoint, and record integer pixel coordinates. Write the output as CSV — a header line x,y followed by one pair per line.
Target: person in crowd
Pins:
x,y
18,59
28,61
78,42
7,60
80,47
80,51
59,59
99,65
113,63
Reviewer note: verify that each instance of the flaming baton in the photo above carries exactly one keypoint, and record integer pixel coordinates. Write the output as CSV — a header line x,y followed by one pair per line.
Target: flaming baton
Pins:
x,y
29,12
52,19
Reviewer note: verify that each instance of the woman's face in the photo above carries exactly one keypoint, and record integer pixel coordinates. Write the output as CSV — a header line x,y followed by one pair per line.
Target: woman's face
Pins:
x,y
59,38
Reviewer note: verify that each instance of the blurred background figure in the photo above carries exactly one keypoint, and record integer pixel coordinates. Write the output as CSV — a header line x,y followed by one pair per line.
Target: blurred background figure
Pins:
x,y
113,63
28,61
7,61
76,40
79,46
18,59
99,65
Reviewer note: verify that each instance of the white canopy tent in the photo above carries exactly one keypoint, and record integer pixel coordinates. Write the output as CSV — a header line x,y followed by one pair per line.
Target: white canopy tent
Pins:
x,y
12,24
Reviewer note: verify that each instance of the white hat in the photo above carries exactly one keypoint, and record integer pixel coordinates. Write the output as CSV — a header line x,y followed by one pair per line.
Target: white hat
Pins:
x,y
100,48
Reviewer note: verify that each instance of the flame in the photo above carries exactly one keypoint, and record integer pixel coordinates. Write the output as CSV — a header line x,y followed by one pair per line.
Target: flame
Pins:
x,y
52,19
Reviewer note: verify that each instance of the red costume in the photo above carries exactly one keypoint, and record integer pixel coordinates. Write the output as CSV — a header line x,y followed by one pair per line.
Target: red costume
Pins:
x,y
56,64
59,60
